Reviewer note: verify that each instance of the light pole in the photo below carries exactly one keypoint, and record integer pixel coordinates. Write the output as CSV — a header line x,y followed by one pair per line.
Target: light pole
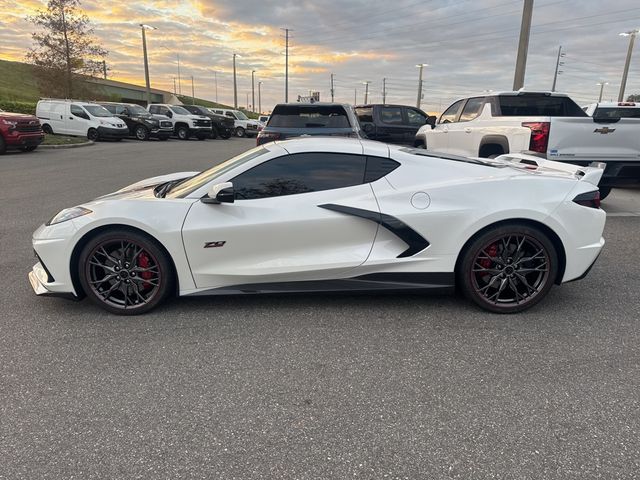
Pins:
x,y
215,76
523,45
235,83
259,98
421,67
144,27
253,91
366,91
557,72
193,92
601,84
632,38
179,79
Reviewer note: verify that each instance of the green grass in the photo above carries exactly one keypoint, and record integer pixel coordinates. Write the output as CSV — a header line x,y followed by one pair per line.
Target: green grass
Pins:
x,y
17,82
62,140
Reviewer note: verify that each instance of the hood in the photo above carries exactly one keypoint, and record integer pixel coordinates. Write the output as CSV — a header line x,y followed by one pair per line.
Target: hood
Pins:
x,y
138,188
17,116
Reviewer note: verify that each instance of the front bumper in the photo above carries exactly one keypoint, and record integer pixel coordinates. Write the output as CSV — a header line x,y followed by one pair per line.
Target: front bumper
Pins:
x,y
39,279
24,139
161,133
109,132
200,131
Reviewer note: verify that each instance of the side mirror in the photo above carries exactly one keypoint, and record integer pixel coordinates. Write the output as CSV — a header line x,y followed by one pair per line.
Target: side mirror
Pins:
x,y
169,113
220,193
431,120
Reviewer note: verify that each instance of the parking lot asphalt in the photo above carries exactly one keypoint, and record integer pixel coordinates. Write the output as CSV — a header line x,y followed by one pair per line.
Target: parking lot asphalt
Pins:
x,y
307,386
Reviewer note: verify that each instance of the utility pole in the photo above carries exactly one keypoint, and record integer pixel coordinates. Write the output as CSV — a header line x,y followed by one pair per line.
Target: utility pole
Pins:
x,y
247,101
558,63
143,27
286,66
523,45
193,92
632,38
174,86
421,67
235,83
384,90
602,84
104,68
366,91
332,92
253,92
355,96
259,99
215,76
179,79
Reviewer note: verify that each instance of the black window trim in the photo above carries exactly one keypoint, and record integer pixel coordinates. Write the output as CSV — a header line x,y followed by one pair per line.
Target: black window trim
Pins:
x,y
463,102
484,102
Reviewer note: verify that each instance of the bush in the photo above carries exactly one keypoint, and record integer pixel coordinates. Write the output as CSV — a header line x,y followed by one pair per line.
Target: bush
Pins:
x,y
18,107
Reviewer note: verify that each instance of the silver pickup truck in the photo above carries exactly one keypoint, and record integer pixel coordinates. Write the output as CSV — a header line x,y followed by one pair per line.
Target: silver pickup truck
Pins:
x,y
543,123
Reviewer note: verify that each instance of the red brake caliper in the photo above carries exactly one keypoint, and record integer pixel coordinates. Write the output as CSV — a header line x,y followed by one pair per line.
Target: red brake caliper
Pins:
x,y
492,251
144,262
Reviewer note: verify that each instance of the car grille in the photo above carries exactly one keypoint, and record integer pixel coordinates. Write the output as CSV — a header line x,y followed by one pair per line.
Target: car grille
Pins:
x,y
202,123
251,126
29,126
166,124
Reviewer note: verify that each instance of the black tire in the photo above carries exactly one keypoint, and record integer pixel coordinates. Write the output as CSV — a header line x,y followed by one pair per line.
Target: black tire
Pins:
x,y
3,146
142,133
214,133
46,128
182,133
604,192
240,132
225,136
508,268
420,145
125,272
29,148
491,151
201,137
93,135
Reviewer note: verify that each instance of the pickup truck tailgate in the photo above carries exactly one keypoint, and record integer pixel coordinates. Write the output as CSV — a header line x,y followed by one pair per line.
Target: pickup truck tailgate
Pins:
x,y
582,139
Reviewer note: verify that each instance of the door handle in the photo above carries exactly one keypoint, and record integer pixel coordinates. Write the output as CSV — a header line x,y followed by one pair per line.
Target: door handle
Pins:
x,y
70,118
467,130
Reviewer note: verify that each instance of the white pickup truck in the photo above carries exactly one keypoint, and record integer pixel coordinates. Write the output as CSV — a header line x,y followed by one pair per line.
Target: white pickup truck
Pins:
x,y
543,123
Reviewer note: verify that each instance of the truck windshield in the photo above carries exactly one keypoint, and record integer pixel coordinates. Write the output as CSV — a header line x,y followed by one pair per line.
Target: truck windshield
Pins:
x,y
318,116
538,106
137,110
98,111
240,115
180,110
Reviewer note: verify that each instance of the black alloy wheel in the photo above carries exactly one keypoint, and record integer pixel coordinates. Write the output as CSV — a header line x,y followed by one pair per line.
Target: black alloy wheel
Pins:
x,y
124,272
509,269
92,134
142,133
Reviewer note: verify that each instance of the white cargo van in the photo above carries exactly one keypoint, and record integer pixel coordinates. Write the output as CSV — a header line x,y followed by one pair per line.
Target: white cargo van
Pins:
x,y
71,117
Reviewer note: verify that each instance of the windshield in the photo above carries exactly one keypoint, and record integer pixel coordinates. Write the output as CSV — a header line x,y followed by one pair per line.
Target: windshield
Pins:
x,y
98,111
240,115
137,110
185,188
309,116
180,110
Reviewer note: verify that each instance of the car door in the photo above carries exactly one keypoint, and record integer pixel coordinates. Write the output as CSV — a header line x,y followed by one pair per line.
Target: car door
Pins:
x,y
438,137
283,225
463,133
391,124
57,117
415,119
77,120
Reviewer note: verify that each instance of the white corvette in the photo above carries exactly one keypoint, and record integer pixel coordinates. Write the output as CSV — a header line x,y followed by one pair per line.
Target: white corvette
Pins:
x,y
323,214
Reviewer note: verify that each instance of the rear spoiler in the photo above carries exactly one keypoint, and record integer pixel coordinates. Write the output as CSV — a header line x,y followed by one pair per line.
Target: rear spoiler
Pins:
x,y
591,174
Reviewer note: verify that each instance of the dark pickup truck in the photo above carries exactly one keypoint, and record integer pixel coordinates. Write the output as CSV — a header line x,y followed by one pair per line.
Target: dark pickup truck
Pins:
x,y
391,123
20,131
221,126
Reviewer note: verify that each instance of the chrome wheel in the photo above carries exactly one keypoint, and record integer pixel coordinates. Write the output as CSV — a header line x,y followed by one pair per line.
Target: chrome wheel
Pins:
x,y
509,269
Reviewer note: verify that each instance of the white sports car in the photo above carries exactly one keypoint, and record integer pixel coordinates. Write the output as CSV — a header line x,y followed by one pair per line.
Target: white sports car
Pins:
x,y
328,214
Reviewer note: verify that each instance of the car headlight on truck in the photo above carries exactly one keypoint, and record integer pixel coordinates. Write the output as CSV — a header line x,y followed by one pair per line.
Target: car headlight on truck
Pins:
x,y
68,214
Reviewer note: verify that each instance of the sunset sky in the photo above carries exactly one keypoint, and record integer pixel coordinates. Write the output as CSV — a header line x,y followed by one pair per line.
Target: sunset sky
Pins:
x,y
470,45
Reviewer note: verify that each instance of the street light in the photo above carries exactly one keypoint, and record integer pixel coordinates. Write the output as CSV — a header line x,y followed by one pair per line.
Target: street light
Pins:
x,y
235,83
259,98
253,92
601,84
144,27
421,67
632,38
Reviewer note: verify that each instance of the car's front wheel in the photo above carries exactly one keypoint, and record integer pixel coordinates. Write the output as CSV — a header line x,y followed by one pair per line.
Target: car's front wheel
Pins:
x,y
92,135
240,132
183,133
508,268
125,272
142,133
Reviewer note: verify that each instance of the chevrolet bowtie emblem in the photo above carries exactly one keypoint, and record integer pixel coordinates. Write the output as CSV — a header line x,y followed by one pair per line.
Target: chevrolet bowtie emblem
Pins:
x,y
604,130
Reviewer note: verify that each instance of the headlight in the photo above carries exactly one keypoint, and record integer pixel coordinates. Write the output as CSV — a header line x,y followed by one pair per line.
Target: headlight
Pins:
x,y
68,214
9,122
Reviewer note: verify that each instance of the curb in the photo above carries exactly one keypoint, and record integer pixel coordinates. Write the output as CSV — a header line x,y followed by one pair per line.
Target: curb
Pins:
x,y
72,145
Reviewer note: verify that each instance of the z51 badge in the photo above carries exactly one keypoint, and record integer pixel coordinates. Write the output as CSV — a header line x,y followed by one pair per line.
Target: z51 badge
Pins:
x,y
214,244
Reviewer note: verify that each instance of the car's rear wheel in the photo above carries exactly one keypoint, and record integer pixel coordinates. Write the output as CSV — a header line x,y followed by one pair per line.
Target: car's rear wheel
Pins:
x,y
142,133
240,132
509,268
125,272
46,128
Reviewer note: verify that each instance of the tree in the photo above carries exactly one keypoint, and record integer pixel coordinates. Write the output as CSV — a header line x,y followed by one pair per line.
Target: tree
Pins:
x,y
64,49
633,98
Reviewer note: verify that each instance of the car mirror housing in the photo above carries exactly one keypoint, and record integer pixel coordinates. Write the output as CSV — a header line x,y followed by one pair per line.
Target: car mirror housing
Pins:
x,y
431,120
220,193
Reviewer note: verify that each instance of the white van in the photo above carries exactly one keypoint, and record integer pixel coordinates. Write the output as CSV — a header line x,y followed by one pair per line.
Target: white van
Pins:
x,y
71,117
245,127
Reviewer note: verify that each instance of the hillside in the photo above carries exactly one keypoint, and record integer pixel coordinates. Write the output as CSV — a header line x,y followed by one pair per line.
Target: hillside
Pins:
x,y
17,82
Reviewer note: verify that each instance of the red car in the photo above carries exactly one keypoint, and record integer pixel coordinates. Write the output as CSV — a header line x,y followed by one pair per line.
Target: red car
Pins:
x,y
19,130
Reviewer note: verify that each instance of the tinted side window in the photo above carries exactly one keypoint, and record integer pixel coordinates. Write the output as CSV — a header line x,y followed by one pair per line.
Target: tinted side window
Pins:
x,y
229,114
78,111
472,109
300,173
153,109
612,112
111,108
416,117
451,113
539,105
365,114
392,115
309,116
378,167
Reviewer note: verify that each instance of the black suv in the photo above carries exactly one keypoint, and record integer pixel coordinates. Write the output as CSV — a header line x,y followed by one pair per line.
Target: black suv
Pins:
x,y
221,126
141,123
391,123
289,120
